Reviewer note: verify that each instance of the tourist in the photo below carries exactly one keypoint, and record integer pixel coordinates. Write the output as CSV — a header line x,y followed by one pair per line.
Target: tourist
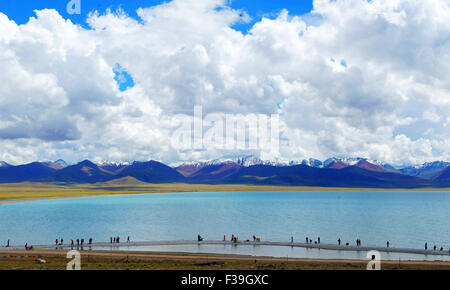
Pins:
x,y
62,242
318,240
72,243
56,243
114,240
26,246
78,242
254,238
339,241
199,238
232,237
128,239
118,238
7,245
224,238
292,239
387,244
110,240
82,241
434,248
90,241
307,240
426,246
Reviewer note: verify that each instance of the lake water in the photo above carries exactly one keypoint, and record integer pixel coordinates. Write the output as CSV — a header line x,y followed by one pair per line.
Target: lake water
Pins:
x,y
405,218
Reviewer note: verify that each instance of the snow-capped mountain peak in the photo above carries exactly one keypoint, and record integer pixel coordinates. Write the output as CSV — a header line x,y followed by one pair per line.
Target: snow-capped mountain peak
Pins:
x,y
3,164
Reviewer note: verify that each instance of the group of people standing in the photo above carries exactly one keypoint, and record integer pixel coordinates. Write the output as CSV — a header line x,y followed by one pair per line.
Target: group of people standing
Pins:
x,y
308,240
116,240
80,242
435,248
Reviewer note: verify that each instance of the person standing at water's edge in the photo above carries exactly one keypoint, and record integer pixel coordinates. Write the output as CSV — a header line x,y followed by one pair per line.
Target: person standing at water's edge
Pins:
x,y
339,241
7,245
426,246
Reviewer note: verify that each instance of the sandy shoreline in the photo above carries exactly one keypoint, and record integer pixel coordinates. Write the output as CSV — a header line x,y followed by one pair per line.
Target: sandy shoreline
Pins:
x,y
203,257
29,192
125,247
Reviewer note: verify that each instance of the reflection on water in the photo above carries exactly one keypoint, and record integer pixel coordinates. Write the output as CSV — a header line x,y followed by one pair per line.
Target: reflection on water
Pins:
x,y
275,251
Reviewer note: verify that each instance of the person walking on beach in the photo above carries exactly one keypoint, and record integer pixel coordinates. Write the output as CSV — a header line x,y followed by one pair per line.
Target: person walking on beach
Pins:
x,y
339,241
56,242
118,239
78,242
7,245
318,240
232,237
426,246
128,239
26,246
82,241
387,244
434,248
292,239
307,240
62,242
71,243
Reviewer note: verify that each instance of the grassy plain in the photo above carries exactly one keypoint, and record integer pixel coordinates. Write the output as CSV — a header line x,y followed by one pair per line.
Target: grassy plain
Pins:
x,y
177,261
27,190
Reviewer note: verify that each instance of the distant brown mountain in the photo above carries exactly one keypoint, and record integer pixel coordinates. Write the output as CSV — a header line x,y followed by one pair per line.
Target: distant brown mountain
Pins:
x,y
337,164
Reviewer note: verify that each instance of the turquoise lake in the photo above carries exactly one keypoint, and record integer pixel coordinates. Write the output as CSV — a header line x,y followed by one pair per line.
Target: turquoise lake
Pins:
x,y
405,218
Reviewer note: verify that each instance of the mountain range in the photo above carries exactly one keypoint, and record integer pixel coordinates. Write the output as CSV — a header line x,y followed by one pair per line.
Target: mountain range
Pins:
x,y
333,172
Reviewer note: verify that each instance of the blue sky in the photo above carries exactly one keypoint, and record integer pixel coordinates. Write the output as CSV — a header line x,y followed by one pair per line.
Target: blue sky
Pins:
x,y
21,10
357,78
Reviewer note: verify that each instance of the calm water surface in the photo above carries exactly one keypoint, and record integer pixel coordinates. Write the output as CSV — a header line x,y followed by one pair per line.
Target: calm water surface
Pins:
x,y
406,219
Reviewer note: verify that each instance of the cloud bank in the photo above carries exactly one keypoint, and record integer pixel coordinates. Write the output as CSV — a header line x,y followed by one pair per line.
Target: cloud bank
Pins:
x,y
351,78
